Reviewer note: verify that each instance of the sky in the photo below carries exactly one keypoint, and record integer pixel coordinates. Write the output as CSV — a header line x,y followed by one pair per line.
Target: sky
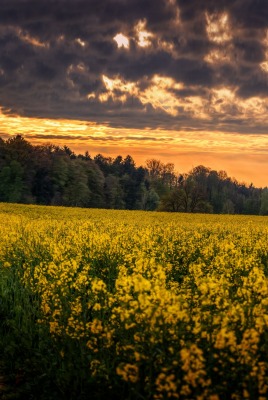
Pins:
x,y
181,81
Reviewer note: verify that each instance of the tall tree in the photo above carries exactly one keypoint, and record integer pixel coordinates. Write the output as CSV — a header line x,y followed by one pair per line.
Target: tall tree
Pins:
x,y
11,182
264,202
113,191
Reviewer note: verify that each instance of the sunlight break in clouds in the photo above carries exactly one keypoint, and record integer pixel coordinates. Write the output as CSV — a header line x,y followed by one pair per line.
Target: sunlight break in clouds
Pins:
x,y
143,35
158,94
80,42
218,28
264,66
117,89
220,102
220,55
121,40
142,39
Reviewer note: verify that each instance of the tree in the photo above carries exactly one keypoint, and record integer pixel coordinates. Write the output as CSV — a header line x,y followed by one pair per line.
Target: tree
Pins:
x,y
128,165
114,194
11,182
161,176
76,191
174,201
151,201
193,194
104,163
188,196
168,175
42,181
264,202
20,150
95,183
155,168
60,177
2,153
228,207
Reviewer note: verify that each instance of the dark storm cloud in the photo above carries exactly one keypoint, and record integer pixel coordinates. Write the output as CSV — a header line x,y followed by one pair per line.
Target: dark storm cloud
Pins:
x,y
245,13
53,53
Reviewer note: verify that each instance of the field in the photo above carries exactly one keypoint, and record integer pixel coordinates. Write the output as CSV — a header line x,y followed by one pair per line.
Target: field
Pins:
x,y
105,304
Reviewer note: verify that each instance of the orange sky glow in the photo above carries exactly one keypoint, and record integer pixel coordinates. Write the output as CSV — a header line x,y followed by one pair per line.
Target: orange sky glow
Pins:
x,y
243,157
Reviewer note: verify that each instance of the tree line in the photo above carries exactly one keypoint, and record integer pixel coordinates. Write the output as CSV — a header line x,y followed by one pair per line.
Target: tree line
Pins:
x,y
53,175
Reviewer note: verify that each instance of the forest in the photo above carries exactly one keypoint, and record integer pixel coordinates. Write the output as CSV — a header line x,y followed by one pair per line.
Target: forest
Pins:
x,y
53,175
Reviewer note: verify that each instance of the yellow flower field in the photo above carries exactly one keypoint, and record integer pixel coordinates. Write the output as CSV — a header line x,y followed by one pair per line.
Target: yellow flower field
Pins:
x,y
137,305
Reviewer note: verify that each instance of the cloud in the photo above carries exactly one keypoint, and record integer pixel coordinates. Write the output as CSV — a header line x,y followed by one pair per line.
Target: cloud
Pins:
x,y
89,138
173,58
